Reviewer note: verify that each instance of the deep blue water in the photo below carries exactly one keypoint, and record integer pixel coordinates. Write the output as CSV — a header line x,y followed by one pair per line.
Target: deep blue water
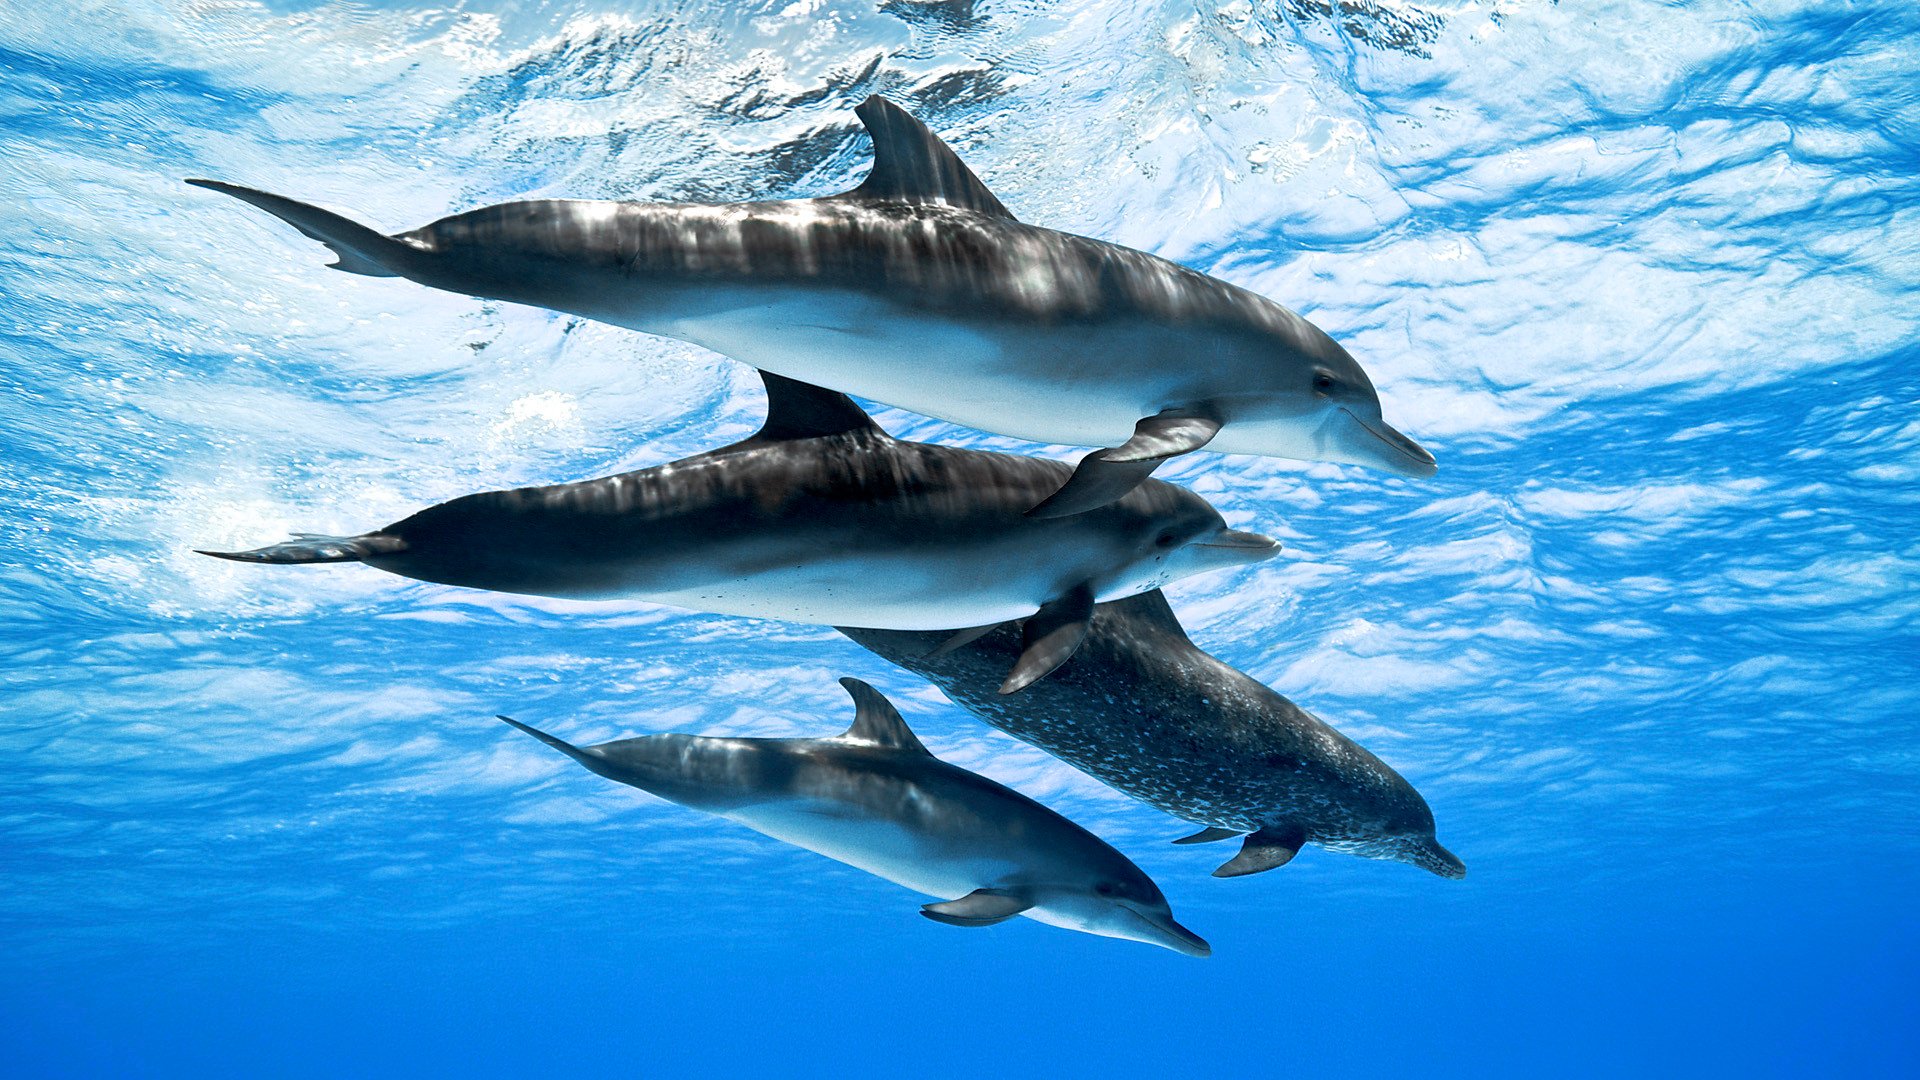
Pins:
x,y
1645,277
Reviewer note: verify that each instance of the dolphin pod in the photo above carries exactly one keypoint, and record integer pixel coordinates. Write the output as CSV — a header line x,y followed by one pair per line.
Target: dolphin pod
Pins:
x,y
920,290
1026,590
1147,711
876,799
821,517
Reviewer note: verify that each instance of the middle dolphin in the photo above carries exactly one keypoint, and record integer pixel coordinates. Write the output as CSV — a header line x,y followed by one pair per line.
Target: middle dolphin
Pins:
x,y
821,517
919,289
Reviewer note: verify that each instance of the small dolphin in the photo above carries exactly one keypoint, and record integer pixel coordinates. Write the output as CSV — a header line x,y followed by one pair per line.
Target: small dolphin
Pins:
x,y
920,290
1145,710
875,799
821,517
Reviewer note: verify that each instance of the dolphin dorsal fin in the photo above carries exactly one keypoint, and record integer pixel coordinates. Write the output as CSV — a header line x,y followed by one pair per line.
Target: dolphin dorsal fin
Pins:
x,y
797,410
1151,608
876,721
911,164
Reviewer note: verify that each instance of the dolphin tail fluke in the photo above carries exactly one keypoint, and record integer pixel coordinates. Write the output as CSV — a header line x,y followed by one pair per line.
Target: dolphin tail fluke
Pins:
x,y
594,762
1106,475
584,756
361,250
309,548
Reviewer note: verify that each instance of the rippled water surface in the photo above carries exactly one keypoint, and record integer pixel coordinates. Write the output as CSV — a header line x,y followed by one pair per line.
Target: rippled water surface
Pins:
x,y
1645,277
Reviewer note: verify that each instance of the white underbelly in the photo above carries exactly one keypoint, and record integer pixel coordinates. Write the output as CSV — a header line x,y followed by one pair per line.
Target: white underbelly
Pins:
x,y
1299,437
846,606
887,594
881,847
1072,386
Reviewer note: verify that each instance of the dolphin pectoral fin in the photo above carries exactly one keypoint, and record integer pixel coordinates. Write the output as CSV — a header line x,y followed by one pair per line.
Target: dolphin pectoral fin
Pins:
x,y
1150,609
981,907
1095,482
1106,475
1164,435
1267,849
912,165
1209,835
1050,636
961,639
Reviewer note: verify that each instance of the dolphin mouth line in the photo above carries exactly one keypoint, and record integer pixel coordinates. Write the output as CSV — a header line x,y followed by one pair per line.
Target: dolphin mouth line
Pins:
x,y
1236,540
1440,861
1175,936
1416,458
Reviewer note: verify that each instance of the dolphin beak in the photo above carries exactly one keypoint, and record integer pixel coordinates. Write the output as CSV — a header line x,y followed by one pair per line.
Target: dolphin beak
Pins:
x,y
1163,931
1232,547
1376,443
1436,859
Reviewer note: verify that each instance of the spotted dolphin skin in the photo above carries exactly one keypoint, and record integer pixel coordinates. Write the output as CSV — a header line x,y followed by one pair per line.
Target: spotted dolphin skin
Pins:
x,y
1145,710
875,799
920,290
821,517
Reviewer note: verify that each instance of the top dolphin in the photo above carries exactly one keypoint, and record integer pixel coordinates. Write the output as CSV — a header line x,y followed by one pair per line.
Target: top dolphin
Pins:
x,y
920,290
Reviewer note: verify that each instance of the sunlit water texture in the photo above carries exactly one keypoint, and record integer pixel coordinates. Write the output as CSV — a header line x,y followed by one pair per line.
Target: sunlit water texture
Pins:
x,y
1645,277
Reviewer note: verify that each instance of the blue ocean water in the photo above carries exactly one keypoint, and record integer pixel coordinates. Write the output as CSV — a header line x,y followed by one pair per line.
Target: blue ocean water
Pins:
x,y
1644,276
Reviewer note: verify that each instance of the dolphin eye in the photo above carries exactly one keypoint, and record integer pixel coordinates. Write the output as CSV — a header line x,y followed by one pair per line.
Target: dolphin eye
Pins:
x,y
1165,540
1104,889
1323,382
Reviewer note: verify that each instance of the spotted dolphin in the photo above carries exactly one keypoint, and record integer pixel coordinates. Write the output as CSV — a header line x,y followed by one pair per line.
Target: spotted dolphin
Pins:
x,y
876,799
919,289
1147,711
821,517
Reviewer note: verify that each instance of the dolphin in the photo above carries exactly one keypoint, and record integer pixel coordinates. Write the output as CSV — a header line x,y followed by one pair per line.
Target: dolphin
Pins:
x,y
1145,710
876,799
920,290
820,517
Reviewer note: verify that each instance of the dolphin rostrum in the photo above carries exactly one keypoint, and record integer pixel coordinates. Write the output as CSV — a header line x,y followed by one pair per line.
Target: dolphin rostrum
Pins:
x,y
1144,709
821,517
876,799
919,289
